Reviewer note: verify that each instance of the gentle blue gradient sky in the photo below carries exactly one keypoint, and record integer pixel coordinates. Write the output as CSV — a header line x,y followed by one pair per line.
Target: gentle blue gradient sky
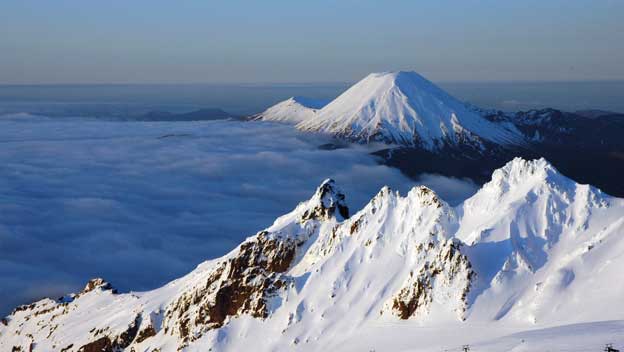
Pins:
x,y
150,41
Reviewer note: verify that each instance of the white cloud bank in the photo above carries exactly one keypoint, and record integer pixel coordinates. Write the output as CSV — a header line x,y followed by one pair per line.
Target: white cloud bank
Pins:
x,y
142,203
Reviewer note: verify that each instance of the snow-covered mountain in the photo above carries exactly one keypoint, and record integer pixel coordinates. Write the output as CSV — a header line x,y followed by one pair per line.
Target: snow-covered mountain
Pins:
x,y
531,249
293,110
405,108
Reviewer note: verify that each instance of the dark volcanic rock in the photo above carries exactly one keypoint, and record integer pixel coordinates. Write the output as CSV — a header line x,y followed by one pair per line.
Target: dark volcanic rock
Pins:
x,y
589,150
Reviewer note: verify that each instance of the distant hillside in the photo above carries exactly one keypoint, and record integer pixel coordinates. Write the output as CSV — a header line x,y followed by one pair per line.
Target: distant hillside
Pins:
x,y
197,115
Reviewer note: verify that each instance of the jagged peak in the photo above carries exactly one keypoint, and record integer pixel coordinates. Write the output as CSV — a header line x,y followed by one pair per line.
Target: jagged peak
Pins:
x,y
518,169
425,195
422,194
96,283
328,187
518,177
410,254
521,178
326,205
384,192
328,201
520,172
418,200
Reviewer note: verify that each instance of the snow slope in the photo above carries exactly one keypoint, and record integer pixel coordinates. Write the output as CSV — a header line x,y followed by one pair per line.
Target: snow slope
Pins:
x,y
557,246
407,109
292,110
530,250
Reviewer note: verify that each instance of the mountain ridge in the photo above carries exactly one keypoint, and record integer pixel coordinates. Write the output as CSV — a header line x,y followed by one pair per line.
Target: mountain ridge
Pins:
x,y
521,252
291,111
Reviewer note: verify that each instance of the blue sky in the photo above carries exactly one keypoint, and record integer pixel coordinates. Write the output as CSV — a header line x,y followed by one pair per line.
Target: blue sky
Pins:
x,y
156,41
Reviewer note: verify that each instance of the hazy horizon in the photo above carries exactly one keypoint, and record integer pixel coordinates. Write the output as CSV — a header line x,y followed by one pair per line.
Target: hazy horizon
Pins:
x,y
71,41
294,83
253,98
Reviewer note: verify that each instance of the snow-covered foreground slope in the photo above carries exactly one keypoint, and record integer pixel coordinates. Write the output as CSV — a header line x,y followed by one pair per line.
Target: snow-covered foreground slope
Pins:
x,y
407,109
582,337
532,249
292,111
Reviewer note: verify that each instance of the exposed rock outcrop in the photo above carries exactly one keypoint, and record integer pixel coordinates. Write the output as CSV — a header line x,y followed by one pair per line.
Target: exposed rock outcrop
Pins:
x,y
443,266
530,235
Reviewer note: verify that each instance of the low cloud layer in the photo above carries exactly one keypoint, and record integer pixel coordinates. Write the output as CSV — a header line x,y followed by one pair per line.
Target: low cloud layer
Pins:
x,y
142,203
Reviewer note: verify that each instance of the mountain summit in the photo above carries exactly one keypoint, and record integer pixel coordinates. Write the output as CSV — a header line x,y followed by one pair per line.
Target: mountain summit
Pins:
x,y
531,248
292,110
407,109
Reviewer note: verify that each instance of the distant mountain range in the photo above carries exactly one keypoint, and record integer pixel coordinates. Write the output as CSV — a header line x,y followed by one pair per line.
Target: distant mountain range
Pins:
x,y
406,109
530,249
428,130
113,112
596,113
197,115
292,111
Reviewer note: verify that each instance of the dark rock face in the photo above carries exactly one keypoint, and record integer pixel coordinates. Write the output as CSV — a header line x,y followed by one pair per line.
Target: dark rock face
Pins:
x,y
447,265
100,345
332,203
239,285
67,348
127,337
145,334
112,344
98,283
244,282
589,150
